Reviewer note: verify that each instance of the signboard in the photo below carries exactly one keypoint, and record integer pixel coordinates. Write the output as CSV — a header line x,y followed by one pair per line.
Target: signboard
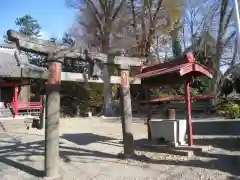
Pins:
x,y
58,71
125,79
54,73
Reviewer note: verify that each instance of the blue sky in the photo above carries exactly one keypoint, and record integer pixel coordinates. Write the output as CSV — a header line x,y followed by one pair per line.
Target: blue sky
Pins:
x,y
53,15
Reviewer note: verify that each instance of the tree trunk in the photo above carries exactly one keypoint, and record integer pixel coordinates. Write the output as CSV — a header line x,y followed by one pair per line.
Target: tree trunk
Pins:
x,y
107,109
215,80
219,47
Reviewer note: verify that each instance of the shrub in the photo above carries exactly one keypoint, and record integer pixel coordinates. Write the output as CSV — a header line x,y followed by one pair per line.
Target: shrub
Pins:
x,y
229,109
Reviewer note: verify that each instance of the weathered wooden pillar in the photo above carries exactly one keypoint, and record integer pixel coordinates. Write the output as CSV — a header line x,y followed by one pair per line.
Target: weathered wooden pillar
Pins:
x,y
43,112
52,119
126,112
189,112
25,92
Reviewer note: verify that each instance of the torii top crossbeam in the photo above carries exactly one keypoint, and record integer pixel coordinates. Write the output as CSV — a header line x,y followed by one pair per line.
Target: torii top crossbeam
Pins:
x,y
44,47
61,52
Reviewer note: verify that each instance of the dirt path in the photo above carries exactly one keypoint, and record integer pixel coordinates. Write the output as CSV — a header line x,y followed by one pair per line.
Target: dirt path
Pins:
x,y
89,148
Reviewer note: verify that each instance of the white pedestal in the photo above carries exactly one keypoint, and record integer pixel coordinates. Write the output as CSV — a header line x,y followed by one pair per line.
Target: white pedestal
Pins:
x,y
89,114
173,131
2,105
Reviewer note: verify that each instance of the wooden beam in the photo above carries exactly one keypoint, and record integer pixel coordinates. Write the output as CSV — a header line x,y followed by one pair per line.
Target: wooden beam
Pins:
x,y
103,58
44,47
131,61
32,42
35,48
69,76
79,77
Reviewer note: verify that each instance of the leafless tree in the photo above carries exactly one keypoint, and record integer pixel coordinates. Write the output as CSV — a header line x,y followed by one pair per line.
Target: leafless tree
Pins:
x,y
119,25
98,24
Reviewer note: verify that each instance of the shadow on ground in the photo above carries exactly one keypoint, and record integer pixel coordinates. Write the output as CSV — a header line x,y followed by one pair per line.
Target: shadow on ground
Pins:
x,y
221,162
85,138
7,153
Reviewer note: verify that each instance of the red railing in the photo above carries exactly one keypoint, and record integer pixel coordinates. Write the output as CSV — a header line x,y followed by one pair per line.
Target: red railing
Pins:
x,y
26,106
16,105
29,105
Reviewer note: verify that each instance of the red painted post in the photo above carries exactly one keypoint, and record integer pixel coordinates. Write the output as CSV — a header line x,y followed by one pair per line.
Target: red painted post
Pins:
x,y
16,100
189,112
148,113
41,104
13,104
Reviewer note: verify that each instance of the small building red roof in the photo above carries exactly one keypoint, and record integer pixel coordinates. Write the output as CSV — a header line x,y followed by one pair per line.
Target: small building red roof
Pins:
x,y
199,97
177,68
181,97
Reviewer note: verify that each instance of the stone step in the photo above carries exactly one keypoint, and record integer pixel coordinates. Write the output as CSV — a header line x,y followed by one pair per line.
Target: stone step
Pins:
x,y
5,112
168,150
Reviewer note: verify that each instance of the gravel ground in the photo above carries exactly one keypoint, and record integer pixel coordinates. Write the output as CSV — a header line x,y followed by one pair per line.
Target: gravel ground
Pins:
x,y
88,151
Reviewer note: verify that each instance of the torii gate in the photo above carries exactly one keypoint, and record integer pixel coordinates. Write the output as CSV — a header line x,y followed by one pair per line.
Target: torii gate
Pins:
x,y
56,55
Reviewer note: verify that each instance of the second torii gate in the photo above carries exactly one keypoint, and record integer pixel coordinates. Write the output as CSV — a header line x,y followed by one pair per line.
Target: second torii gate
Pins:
x,y
56,55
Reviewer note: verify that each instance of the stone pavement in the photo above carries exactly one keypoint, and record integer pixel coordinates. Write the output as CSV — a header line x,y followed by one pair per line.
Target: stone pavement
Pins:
x,y
88,151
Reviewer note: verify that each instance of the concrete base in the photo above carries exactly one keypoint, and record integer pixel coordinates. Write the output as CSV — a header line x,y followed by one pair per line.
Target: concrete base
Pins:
x,y
53,178
170,148
194,148
217,126
237,155
238,160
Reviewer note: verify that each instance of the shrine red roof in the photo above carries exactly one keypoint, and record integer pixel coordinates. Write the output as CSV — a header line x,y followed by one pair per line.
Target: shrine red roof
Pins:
x,y
181,97
182,66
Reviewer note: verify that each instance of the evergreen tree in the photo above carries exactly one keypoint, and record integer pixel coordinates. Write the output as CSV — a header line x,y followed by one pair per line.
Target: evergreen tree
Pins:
x,y
28,25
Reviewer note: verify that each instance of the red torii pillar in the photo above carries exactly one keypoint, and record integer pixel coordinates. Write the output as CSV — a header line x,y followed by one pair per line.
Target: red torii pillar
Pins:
x,y
15,101
189,112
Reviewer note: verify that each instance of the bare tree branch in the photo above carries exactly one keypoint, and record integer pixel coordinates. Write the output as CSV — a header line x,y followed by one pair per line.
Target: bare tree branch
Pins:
x,y
158,8
134,24
118,9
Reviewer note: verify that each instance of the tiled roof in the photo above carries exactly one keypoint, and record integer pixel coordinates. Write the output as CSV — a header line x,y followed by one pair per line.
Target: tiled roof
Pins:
x,y
179,67
180,97
12,67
